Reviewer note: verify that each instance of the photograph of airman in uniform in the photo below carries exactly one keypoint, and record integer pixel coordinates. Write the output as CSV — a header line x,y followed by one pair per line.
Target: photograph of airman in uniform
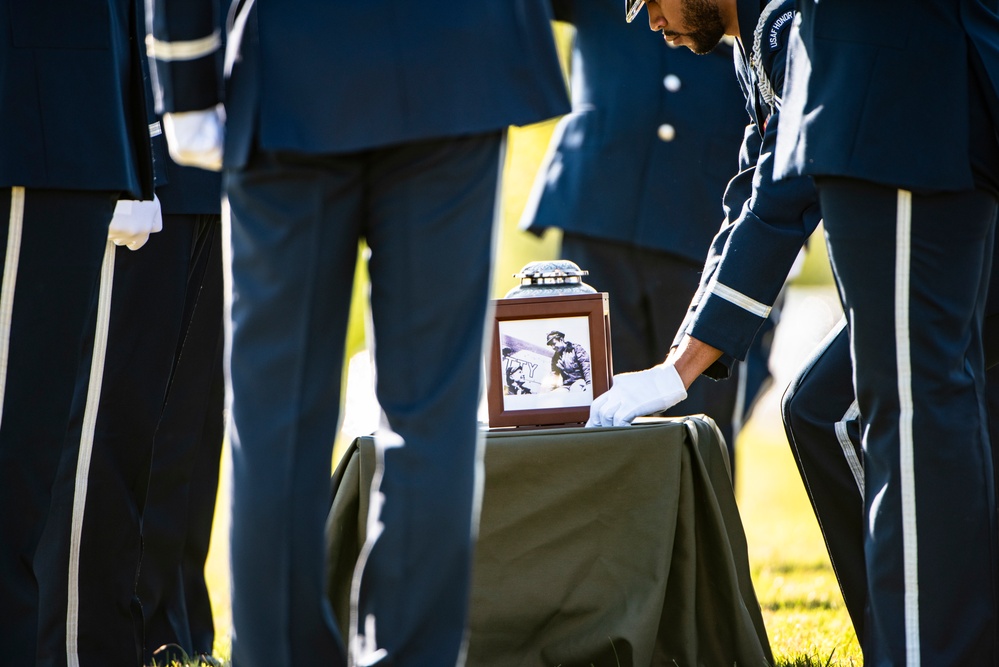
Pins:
x,y
546,363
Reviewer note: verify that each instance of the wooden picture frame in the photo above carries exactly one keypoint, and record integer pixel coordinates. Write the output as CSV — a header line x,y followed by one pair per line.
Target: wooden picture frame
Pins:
x,y
550,339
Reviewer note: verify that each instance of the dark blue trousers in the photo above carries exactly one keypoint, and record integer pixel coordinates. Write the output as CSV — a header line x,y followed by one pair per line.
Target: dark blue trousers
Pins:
x,y
183,481
913,271
426,211
822,423
89,555
53,242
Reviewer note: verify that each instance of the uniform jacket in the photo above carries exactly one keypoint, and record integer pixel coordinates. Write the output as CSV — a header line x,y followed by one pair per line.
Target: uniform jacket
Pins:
x,y
767,221
849,114
572,363
72,109
608,175
332,76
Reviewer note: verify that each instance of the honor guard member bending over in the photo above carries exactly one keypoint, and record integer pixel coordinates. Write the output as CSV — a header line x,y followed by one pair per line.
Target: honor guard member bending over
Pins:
x,y
768,221
634,179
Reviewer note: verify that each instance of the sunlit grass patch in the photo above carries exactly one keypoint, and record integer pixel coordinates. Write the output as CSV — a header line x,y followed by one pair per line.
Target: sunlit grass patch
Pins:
x,y
803,609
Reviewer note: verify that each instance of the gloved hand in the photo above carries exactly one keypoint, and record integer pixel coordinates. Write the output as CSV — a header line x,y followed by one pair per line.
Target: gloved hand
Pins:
x,y
636,394
194,138
134,221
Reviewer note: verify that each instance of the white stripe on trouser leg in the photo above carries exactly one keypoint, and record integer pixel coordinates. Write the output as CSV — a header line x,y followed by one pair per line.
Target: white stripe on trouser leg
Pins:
x,y
9,281
362,646
849,452
83,460
903,248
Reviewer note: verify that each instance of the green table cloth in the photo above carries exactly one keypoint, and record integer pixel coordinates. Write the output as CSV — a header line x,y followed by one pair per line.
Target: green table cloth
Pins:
x,y
613,547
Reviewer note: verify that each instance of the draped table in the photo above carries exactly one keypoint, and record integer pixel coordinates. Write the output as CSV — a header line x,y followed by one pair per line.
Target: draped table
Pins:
x,y
604,546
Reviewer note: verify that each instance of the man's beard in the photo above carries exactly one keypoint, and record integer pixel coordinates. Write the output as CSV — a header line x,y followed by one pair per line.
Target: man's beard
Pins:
x,y
703,23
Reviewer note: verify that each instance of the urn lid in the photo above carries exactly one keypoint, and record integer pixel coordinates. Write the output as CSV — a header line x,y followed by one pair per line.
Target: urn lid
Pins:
x,y
550,278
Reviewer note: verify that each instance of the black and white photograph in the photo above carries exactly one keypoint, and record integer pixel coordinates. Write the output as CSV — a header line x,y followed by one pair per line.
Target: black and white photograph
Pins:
x,y
546,363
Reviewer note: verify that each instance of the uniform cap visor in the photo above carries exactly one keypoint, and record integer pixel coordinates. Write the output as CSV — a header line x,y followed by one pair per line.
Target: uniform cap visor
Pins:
x,y
631,9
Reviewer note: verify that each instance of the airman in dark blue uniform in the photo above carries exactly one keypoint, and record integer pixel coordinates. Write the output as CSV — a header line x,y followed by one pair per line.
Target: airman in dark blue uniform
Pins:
x,y
156,345
909,196
738,288
74,140
340,128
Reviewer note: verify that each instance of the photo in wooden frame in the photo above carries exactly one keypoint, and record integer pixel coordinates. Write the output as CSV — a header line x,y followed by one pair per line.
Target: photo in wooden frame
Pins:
x,y
550,358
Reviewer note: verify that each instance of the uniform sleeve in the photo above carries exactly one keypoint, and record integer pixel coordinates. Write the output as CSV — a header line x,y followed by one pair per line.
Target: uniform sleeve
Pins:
x,y
157,144
751,256
183,45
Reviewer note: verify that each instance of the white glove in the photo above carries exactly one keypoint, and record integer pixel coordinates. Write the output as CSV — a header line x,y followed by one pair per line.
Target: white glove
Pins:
x,y
134,221
636,394
194,138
